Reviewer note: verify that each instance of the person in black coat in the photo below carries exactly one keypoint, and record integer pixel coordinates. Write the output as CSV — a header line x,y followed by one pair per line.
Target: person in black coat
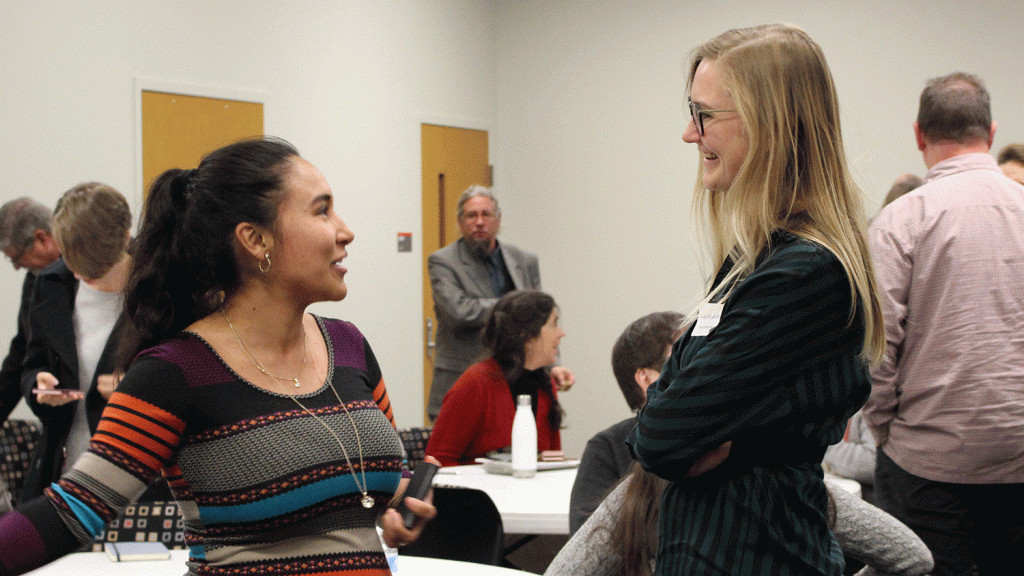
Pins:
x,y
73,314
26,240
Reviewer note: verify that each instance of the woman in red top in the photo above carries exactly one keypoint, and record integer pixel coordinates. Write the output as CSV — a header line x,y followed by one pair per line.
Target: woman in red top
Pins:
x,y
522,336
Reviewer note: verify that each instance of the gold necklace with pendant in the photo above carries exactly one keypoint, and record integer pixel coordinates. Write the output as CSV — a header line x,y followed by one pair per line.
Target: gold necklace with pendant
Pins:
x,y
367,500
259,365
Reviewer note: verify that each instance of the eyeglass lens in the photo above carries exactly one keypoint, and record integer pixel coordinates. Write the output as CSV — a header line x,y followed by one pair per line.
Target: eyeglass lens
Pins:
x,y
698,117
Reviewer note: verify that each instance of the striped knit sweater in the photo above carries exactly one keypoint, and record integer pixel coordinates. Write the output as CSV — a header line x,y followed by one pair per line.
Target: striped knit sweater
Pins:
x,y
778,376
264,488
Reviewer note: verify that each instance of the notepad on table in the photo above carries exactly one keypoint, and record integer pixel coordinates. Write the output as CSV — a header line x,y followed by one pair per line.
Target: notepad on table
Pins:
x,y
132,551
505,468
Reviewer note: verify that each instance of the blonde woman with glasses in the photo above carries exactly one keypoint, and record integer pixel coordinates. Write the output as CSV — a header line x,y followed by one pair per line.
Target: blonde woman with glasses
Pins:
x,y
778,356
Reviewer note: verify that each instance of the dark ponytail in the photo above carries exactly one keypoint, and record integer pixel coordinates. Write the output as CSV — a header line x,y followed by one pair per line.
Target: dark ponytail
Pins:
x,y
185,262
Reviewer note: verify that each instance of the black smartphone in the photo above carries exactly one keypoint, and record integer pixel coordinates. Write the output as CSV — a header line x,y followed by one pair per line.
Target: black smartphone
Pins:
x,y
418,487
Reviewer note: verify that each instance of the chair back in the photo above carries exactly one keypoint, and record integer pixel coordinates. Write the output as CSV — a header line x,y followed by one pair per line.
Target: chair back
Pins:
x,y
467,528
18,440
154,521
414,440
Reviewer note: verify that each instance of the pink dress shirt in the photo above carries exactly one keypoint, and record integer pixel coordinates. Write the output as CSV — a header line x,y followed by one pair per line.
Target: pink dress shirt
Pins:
x,y
947,403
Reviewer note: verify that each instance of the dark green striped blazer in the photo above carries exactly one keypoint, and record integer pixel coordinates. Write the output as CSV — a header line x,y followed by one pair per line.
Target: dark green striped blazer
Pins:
x,y
778,376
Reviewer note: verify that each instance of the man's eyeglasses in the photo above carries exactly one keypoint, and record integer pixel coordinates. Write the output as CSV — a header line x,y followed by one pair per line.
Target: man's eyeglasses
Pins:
x,y
486,215
699,115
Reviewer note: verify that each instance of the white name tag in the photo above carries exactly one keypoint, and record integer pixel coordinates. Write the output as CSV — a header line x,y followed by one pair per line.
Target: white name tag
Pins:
x,y
708,317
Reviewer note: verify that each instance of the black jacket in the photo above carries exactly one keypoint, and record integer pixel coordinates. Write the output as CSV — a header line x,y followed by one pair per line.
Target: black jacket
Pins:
x,y
51,348
10,371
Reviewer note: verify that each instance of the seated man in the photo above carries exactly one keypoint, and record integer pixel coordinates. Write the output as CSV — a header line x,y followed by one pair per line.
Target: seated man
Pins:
x,y
637,358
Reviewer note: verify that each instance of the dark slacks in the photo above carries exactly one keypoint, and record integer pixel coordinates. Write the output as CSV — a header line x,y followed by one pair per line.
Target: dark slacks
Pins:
x,y
441,384
964,525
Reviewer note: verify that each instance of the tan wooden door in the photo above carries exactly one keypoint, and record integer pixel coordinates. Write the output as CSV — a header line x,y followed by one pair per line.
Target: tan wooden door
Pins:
x,y
453,159
178,129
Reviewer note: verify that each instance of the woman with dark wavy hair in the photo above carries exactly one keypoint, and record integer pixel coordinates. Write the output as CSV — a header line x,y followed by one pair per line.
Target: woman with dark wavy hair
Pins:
x,y
272,425
521,336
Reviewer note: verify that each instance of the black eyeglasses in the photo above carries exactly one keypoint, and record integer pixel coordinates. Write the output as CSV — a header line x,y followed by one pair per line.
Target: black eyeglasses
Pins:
x,y
699,115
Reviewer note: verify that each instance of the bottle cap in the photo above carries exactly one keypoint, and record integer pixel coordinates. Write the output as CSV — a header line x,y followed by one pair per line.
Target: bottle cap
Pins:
x,y
523,400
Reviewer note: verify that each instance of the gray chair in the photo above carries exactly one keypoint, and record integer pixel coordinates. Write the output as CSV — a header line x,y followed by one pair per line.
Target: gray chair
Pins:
x,y
18,440
414,440
147,521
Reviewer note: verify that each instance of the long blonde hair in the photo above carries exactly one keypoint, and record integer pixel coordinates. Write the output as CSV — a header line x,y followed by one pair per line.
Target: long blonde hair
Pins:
x,y
795,176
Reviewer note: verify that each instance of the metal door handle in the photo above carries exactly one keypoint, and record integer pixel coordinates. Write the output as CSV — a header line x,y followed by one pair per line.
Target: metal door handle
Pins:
x,y
431,345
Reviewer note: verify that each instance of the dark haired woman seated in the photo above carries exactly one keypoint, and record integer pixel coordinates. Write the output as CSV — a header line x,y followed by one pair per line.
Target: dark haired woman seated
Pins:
x,y
522,336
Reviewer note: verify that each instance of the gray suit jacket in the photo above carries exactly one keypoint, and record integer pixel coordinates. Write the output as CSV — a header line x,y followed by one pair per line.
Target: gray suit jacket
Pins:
x,y
463,298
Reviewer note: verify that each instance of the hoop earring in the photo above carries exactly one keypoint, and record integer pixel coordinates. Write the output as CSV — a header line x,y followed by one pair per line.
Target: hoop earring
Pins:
x,y
260,263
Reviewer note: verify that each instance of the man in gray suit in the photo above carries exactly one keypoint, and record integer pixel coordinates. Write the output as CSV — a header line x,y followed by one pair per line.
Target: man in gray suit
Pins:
x,y
467,277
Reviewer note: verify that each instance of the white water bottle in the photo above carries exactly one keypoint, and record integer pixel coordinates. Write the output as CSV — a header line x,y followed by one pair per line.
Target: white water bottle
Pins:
x,y
524,440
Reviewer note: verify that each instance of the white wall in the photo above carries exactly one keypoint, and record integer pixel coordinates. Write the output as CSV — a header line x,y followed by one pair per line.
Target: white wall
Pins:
x,y
584,100
594,175
347,82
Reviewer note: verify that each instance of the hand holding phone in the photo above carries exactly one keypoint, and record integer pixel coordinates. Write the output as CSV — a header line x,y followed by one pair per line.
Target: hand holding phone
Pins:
x,y
418,488
47,393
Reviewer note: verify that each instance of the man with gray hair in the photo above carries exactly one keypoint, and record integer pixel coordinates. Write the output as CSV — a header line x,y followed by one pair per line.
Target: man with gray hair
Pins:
x,y
947,402
26,240
467,277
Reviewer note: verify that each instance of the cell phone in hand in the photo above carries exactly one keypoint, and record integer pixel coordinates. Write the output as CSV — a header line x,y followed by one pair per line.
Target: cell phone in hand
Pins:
x,y
77,394
418,488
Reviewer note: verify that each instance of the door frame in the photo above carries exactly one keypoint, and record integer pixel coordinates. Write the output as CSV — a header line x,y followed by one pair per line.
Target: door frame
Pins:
x,y
147,83
449,122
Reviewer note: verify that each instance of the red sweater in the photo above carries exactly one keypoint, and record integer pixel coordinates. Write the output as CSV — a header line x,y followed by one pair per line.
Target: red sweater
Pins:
x,y
476,417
